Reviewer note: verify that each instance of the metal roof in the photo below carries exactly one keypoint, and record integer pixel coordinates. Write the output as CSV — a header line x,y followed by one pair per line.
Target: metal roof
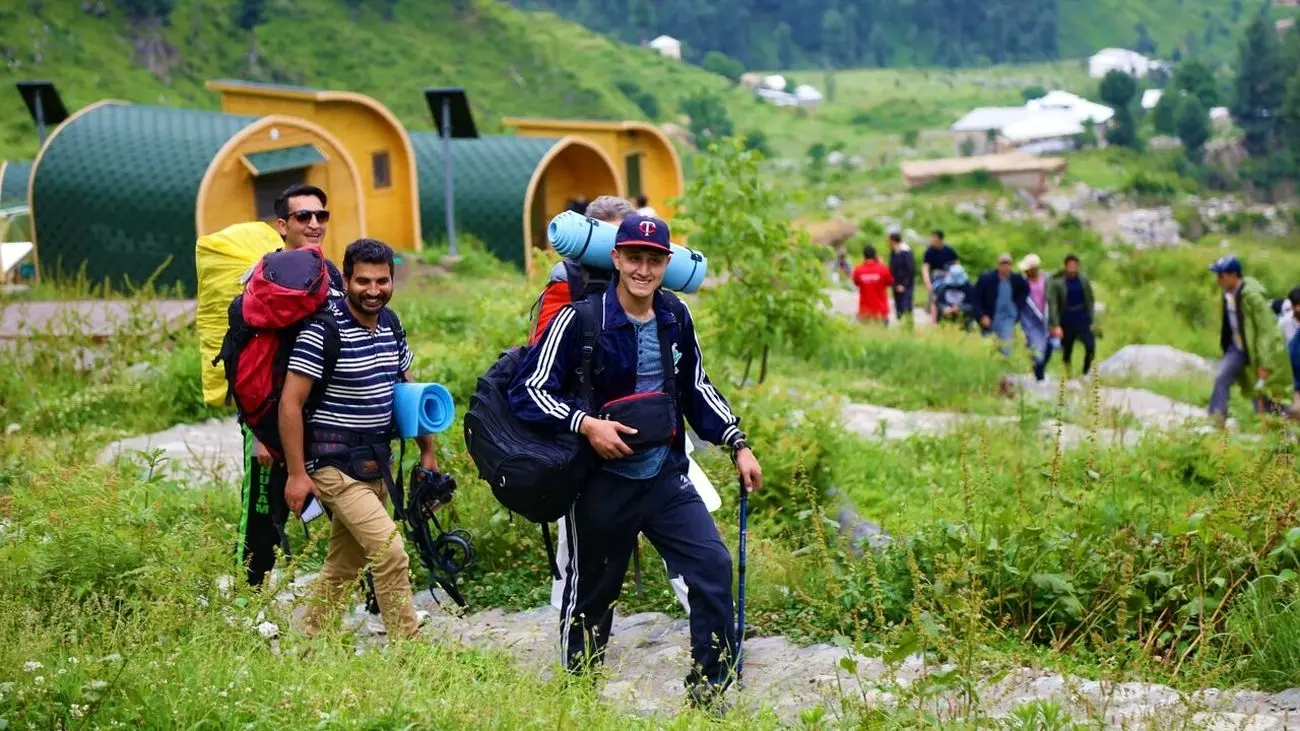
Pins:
x,y
115,189
13,182
285,158
982,119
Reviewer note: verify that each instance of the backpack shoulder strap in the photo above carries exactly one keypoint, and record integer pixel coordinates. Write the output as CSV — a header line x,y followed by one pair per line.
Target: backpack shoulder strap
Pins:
x,y
587,317
678,308
330,345
576,279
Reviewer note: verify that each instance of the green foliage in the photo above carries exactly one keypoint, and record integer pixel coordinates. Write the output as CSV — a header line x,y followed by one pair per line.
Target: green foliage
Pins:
x,y
1153,187
250,13
142,10
772,294
645,101
709,119
1193,127
1260,86
1030,93
756,140
723,65
1164,118
1118,90
1289,116
911,137
1196,78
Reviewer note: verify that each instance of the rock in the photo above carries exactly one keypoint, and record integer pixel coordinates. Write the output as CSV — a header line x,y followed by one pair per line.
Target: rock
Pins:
x,y
210,451
1153,361
880,422
857,529
1149,227
1234,722
1287,700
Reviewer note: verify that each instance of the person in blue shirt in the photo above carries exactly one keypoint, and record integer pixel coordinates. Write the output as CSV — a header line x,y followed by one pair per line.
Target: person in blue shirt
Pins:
x,y
647,369
1293,349
1000,295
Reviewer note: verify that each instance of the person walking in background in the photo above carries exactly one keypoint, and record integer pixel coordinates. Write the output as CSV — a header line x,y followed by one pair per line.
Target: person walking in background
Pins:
x,y
1253,352
1070,308
1000,295
954,298
902,267
934,265
1034,315
643,207
873,280
1293,350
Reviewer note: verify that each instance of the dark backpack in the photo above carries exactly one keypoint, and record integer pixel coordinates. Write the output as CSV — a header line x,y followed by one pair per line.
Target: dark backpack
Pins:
x,y
287,289
535,474
579,283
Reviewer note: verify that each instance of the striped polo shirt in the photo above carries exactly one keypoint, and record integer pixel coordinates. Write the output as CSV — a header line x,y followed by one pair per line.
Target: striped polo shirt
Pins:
x,y
359,396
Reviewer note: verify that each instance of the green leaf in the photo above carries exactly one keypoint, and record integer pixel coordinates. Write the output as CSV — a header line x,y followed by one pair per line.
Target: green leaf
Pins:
x,y
1052,582
908,644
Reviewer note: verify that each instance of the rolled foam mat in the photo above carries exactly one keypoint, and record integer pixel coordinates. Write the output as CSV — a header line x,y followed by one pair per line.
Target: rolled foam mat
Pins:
x,y
574,236
421,409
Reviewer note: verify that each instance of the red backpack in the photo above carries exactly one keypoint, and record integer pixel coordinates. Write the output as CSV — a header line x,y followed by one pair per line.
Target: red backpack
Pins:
x,y
287,289
579,282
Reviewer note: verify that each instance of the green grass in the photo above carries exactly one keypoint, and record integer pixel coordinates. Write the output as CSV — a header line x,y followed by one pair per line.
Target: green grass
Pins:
x,y
1005,551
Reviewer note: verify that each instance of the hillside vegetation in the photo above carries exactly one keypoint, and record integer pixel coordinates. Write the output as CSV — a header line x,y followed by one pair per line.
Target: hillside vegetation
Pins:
x,y
510,62
817,33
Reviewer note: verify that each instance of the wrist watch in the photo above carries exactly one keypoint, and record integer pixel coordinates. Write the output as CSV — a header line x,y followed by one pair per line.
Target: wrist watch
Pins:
x,y
738,445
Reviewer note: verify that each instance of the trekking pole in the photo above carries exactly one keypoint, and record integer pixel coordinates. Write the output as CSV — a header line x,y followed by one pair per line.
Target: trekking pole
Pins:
x,y
740,605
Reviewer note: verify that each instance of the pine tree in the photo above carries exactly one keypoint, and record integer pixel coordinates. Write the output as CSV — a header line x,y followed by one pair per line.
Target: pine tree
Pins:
x,y
1193,127
1118,90
250,13
1260,86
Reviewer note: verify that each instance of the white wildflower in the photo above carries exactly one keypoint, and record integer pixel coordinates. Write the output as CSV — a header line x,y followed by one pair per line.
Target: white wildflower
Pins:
x,y
62,671
97,684
203,600
39,680
115,657
73,661
32,666
77,711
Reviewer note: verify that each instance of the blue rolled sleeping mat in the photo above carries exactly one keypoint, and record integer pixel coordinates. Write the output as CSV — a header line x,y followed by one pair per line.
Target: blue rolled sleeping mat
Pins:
x,y
574,236
421,409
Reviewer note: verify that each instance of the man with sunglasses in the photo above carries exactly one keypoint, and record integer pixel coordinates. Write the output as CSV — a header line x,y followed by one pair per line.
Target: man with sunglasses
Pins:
x,y
301,219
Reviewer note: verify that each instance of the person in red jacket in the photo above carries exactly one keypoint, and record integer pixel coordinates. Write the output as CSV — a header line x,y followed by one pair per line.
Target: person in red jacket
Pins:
x,y
873,280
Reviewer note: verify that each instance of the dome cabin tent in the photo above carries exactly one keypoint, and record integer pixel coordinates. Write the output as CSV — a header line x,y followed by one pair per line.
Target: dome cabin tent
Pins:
x,y
372,136
644,156
14,176
505,189
124,189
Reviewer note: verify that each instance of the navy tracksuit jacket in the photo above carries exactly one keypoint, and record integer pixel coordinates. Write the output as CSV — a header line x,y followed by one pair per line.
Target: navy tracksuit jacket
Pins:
x,y
611,510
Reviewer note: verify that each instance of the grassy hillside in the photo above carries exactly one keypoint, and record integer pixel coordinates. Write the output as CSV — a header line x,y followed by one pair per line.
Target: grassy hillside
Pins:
x,y
511,62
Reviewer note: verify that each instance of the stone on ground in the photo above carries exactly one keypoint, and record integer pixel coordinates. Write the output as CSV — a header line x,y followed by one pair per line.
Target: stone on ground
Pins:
x,y
210,451
1153,361
882,422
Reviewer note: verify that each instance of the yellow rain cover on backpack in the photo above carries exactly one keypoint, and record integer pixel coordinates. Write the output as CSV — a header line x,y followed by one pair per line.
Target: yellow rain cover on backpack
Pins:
x,y
222,260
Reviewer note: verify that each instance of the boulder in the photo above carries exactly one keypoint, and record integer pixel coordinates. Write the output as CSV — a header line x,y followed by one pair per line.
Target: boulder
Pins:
x,y
1153,361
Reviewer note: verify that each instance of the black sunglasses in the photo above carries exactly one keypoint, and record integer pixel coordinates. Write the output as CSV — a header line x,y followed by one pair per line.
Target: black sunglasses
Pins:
x,y
304,216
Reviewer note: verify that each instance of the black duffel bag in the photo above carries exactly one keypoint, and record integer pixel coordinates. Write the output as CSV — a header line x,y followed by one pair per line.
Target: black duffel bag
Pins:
x,y
534,473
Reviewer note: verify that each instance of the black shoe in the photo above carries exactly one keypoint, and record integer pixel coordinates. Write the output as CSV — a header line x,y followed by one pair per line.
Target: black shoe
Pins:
x,y
707,697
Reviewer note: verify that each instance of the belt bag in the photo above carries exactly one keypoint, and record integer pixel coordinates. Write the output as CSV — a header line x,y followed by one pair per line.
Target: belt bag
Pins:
x,y
363,458
653,415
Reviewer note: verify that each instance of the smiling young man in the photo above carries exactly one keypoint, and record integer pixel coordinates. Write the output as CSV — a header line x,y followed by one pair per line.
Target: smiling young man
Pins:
x,y
340,451
647,377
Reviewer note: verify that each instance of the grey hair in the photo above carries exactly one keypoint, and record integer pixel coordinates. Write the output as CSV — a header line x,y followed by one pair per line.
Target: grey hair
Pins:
x,y
609,208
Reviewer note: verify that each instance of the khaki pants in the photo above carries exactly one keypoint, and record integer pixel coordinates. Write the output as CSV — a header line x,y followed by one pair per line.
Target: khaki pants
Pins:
x,y
361,530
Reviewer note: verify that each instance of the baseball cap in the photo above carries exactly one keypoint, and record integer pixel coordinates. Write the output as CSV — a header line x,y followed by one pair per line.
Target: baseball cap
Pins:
x,y
1030,262
1226,265
1004,259
643,231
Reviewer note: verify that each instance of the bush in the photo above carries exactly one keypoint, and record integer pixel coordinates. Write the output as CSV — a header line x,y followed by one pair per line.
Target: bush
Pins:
x,y
647,102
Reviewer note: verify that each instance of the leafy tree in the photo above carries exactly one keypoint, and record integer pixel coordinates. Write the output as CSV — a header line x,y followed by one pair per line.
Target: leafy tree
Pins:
x,y
1118,90
756,140
1194,77
785,50
1165,116
911,137
1145,44
836,39
645,100
140,10
1193,127
1030,93
709,119
772,289
250,13
1259,86
723,65
1289,116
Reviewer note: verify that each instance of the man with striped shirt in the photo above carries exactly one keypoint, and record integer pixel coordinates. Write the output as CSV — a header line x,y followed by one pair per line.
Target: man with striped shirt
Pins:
x,y
342,453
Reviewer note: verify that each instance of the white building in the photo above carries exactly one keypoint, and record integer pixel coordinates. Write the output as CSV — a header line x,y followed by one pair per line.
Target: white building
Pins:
x,y
807,96
779,98
1151,97
1074,105
775,82
1045,131
1120,59
668,47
